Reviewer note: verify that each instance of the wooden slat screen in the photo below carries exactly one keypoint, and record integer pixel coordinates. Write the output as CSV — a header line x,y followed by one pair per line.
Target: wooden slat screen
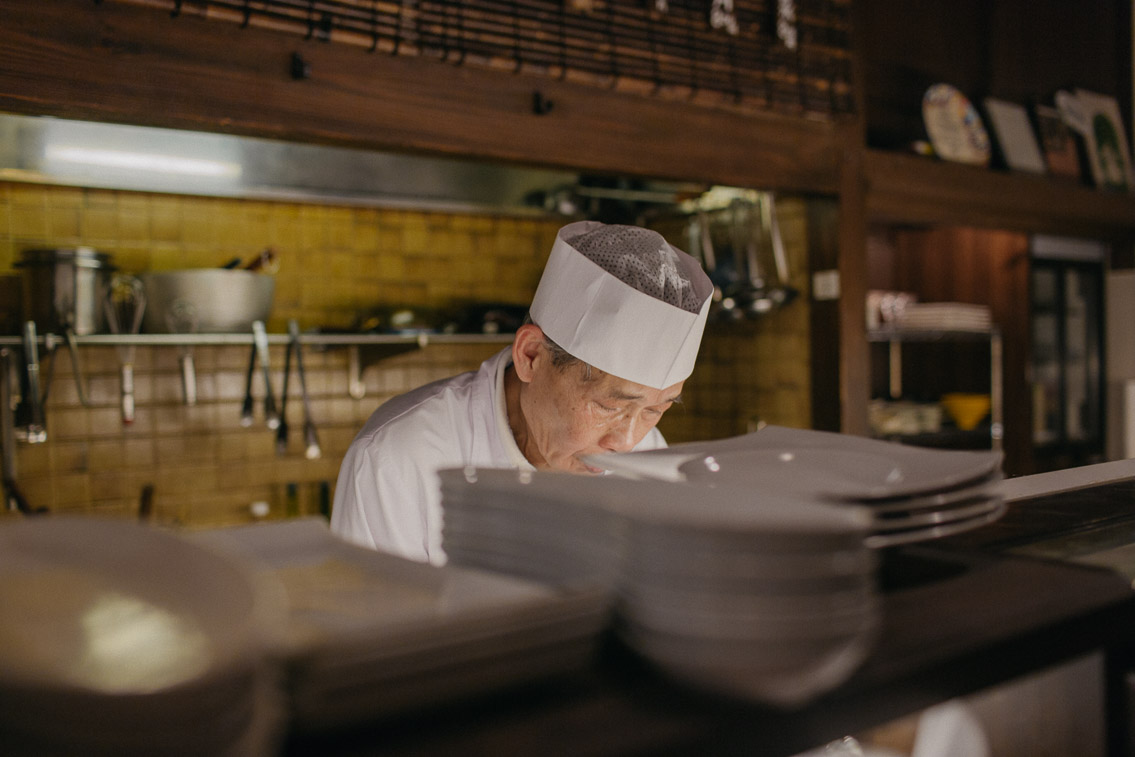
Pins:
x,y
628,45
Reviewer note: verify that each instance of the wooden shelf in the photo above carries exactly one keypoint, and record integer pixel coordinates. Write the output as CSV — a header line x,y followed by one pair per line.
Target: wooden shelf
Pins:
x,y
904,188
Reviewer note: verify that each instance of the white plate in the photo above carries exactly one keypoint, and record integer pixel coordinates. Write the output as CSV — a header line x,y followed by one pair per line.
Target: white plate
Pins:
x,y
661,504
75,588
925,469
984,488
911,536
383,633
954,126
861,476
120,638
964,511
787,673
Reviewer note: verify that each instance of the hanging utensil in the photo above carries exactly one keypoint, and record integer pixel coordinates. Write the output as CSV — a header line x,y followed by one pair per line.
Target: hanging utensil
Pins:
x,y
310,437
31,427
182,319
705,244
125,303
76,366
260,339
783,292
62,292
758,299
282,429
722,306
246,414
13,498
146,504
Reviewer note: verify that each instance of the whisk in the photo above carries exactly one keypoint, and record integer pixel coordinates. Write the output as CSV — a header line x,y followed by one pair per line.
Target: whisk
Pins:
x,y
125,303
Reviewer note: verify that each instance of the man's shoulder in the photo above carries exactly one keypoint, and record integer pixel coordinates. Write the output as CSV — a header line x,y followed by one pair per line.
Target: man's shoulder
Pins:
x,y
434,415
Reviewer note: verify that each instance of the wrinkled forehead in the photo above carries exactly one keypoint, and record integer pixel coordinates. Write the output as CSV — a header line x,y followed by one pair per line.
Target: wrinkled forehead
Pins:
x,y
617,389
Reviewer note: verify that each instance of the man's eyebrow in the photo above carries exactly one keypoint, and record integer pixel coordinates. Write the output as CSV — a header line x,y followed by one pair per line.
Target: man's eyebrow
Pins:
x,y
618,394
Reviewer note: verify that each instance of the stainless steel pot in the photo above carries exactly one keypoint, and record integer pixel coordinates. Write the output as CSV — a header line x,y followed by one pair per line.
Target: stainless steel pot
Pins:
x,y
220,300
63,288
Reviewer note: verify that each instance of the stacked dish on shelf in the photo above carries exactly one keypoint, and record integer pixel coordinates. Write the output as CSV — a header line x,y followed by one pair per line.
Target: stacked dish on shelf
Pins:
x,y
913,493
944,316
773,600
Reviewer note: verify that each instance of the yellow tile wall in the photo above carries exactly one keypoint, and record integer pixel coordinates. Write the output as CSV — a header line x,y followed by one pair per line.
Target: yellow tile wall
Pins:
x,y
335,262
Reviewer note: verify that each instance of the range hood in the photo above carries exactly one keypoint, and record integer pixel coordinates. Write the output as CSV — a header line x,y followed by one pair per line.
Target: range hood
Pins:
x,y
113,156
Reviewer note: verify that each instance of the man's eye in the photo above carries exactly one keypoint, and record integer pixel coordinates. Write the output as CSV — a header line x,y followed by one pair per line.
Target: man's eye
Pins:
x,y
606,409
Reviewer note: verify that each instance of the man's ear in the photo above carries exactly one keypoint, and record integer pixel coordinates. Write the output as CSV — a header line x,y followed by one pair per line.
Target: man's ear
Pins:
x,y
526,350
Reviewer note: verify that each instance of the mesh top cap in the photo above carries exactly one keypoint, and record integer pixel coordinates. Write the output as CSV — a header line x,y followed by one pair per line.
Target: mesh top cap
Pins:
x,y
623,300
641,258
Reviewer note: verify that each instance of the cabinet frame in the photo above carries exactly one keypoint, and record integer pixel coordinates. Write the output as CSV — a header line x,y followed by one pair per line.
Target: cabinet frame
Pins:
x,y
896,337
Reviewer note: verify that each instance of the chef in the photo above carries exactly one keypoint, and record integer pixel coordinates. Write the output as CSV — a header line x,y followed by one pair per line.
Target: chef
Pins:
x,y
613,332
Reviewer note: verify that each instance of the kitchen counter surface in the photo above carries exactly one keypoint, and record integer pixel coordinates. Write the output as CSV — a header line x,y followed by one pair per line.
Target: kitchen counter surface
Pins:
x,y
959,615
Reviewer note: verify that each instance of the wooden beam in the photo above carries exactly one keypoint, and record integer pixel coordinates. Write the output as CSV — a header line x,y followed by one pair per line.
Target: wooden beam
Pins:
x,y
911,189
128,64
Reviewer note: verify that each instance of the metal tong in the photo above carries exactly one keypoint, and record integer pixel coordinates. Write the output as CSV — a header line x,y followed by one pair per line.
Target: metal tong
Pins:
x,y
30,421
260,342
282,429
310,437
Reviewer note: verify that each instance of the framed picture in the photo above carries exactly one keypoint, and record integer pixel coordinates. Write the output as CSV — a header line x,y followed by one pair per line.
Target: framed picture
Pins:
x,y
1058,142
1013,132
1106,141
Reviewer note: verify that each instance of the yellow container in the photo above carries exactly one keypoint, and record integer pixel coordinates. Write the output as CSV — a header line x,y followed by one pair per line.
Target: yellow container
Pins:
x,y
967,410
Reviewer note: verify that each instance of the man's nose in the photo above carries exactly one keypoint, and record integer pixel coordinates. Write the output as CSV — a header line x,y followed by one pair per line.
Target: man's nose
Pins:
x,y
620,438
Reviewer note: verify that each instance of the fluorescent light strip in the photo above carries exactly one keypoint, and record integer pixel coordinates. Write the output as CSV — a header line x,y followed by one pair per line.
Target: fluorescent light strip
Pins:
x,y
142,162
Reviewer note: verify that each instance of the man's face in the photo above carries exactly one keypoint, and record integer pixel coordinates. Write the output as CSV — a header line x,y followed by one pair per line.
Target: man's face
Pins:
x,y
569,416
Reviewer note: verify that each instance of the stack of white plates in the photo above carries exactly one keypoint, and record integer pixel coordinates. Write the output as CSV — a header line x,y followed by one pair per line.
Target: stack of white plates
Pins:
x,y
913,493
944,316
772,599
118,639
370,634
529,525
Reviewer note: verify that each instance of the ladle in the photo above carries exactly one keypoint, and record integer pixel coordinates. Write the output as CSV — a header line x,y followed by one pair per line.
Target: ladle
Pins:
x,y
783,293
32,427
182,319
125,304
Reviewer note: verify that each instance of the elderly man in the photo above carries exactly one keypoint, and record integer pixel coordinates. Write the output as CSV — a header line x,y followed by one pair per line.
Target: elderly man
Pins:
x,y
615,327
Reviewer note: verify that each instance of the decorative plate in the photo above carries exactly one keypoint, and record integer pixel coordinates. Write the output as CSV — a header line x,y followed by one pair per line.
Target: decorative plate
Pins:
x,y
954,126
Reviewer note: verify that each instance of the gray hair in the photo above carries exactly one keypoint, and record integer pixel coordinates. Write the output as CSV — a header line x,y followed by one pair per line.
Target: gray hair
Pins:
x,y
561,358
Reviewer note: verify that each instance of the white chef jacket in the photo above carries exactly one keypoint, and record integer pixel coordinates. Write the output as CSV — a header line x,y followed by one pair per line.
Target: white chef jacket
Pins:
x,y
388,496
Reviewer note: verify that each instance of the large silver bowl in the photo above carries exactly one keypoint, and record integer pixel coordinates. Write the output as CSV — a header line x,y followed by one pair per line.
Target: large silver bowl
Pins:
x,y
205,300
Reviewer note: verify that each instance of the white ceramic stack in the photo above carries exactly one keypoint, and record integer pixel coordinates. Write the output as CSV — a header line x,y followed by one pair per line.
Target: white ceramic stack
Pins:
x,y
118,639
769,598
944,316
913,493
529,525
369,634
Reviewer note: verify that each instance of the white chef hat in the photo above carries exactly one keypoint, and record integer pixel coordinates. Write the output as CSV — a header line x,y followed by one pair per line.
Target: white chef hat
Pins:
x,y
622,299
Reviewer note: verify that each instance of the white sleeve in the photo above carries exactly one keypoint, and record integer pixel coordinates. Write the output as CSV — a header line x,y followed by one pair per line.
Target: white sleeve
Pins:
x,y
388,507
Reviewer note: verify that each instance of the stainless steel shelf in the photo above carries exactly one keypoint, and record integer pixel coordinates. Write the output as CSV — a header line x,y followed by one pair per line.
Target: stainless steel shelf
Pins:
x,y
895,337
330,340
929,335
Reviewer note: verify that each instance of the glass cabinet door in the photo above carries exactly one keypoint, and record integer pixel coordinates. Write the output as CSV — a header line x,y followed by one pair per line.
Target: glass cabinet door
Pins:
x,y
1047,377
1082,355
1066,362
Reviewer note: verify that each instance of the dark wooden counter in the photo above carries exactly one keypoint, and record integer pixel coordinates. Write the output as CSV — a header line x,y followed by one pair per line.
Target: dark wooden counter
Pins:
x,y
958,617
